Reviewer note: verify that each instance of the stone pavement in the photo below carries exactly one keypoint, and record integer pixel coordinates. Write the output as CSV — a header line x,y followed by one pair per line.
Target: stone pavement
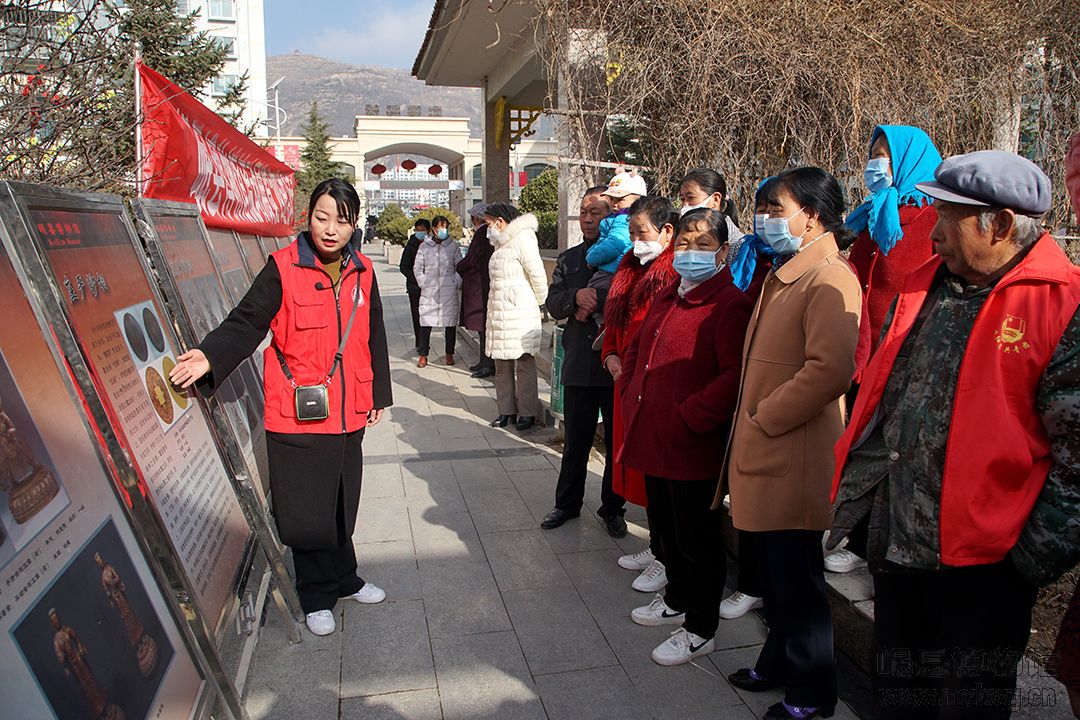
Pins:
x,y
487,615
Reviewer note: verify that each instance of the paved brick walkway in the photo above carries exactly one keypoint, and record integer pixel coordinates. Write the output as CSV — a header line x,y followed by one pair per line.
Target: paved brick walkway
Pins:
x,y
487,616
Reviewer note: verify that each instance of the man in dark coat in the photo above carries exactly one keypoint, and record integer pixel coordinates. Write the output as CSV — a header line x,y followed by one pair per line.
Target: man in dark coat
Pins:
x,y
587,387
475,281
421,230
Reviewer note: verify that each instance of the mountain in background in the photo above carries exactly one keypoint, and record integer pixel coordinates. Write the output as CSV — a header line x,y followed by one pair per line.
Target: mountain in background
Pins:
x,y
343,91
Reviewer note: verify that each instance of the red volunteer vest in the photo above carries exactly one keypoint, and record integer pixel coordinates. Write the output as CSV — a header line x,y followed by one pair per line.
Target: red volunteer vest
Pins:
x,y
998,454
307,330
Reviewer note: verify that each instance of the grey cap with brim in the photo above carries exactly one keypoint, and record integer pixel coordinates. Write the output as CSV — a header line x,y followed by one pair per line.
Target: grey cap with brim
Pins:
x,y
991,178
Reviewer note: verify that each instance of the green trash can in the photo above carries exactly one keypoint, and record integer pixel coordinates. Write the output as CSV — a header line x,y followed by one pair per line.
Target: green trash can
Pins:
x,y
556,375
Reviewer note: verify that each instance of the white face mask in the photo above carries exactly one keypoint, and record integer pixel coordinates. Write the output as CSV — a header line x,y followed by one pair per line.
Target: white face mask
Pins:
x,y
687,208
494,233
647,250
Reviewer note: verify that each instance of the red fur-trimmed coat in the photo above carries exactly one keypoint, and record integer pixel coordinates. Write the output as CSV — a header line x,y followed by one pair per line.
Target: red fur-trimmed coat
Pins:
x,y
631,294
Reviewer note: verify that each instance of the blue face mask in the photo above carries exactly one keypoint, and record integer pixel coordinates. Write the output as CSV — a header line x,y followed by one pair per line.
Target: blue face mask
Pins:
x,y
759,224
696,266
421,235
876,176
778,235
442,233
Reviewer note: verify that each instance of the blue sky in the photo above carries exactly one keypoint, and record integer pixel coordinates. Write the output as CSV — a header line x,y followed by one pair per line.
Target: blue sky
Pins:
x,y
362,32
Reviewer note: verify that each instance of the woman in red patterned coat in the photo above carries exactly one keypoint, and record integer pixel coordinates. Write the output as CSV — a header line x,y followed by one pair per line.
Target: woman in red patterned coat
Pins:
x,y
641,275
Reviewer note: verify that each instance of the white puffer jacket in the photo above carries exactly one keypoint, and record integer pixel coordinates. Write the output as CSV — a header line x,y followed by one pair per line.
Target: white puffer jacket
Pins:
x,y
518,289
436,273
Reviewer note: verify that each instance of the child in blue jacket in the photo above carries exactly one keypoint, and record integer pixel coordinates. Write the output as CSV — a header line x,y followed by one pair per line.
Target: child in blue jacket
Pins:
x,y
614,242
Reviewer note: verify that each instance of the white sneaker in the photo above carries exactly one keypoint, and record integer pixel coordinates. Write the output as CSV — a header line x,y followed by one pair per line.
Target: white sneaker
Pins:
x,y
638,561
652,578
843,561
681,648
738,605
656,613
321,622
369,595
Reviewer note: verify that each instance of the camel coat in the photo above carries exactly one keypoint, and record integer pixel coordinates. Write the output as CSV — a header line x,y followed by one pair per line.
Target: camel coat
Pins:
x,y
798,361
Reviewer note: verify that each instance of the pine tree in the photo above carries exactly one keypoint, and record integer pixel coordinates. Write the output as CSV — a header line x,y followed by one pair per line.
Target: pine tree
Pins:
x,y
315,162
170,44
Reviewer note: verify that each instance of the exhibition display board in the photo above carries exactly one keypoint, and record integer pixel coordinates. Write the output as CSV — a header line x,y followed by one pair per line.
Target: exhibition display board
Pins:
x,y
254,254
180,251
176,239
236,276
120,535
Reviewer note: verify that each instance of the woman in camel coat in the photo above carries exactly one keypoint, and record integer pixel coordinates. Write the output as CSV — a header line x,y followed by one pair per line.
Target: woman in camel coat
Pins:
x,y
798,361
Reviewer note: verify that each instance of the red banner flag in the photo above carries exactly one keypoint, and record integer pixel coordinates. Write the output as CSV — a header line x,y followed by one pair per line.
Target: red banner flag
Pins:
x,y
191,154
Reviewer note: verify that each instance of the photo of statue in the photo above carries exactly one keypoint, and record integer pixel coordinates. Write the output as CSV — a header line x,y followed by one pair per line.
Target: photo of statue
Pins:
x,y
32,491
144,645
29,485
72,655
93,639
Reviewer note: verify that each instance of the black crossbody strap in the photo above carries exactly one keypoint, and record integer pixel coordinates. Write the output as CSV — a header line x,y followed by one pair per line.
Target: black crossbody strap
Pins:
x,y
341,346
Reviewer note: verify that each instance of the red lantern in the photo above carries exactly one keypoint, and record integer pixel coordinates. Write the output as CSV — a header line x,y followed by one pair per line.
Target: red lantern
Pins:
x,y
378,169
409,165
435,169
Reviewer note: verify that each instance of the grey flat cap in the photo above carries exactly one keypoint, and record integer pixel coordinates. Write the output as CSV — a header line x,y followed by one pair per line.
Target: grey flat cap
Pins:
x,y
991,178
477,210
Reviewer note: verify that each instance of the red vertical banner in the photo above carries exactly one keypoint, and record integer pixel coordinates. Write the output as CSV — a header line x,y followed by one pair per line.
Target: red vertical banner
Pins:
x,y
190,154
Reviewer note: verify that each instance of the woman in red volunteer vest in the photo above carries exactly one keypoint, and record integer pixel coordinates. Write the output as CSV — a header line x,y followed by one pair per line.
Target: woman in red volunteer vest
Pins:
x,y
316,297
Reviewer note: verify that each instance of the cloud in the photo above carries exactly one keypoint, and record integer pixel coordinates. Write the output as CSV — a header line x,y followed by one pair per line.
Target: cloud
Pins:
x,y
376,32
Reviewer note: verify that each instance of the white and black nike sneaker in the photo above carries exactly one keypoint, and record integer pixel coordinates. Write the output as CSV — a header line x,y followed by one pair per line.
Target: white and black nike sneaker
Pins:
x,y
681,647
657,613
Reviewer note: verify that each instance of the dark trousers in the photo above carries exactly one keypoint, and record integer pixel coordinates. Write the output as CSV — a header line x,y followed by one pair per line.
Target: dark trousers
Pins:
x,y
580,408
799,649
323,576
692,543
654,537
414,311
946,643
485,359
749,580
423,344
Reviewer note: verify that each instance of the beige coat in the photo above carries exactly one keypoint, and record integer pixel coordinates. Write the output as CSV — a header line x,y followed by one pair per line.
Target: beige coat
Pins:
x,y
798,361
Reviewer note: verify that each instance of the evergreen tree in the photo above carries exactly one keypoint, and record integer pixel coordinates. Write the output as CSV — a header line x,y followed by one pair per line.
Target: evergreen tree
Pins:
x,y
170,44
541,197
393,225
231,107
315,162
541,194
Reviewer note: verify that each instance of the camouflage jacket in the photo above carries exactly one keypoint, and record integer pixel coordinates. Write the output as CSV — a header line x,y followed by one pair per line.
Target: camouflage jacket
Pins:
x,y
893,479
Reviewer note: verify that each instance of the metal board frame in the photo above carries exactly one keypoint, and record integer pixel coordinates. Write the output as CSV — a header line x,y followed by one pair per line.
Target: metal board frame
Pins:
x,y
149,527
284,593
251,260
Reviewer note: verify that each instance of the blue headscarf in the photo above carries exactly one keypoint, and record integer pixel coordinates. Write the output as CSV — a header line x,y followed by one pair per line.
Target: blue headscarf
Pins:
x,y
744,263
914,160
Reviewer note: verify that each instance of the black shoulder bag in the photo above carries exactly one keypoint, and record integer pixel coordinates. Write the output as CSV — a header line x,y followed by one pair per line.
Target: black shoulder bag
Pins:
x,y
312,401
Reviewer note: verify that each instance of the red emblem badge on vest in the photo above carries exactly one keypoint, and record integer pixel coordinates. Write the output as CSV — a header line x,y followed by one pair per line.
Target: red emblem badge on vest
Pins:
x,y
1010,336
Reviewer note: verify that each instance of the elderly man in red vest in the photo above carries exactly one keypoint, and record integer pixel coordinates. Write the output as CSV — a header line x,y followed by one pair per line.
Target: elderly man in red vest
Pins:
x,y
963,451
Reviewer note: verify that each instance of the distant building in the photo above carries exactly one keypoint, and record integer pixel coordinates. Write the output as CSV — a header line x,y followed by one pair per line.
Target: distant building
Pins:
x,y
390,141
238,25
